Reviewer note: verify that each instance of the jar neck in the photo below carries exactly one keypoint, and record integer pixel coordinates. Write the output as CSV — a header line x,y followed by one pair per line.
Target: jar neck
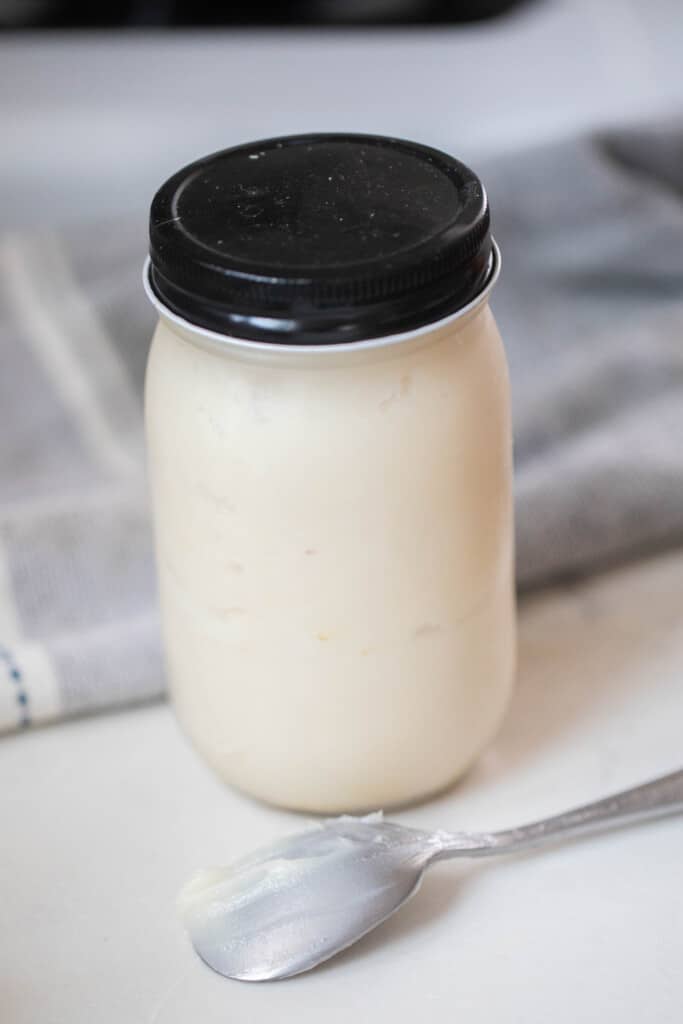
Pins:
x,y
374,349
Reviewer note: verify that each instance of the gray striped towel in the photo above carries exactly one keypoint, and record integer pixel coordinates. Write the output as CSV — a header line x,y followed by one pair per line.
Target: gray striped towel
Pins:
x,y
591,308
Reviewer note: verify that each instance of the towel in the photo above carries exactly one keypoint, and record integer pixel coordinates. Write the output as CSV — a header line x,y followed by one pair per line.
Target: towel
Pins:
x,y
590,305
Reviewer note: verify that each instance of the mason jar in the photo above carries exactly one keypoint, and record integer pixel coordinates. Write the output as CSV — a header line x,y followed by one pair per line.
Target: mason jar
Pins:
x,y
329,449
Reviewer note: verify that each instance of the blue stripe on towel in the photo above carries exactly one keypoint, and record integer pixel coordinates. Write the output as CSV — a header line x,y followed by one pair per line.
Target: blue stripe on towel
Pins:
x,y
16,678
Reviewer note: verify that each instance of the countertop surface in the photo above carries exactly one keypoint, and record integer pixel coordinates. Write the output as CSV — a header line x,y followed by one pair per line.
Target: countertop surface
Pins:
x,y
104,819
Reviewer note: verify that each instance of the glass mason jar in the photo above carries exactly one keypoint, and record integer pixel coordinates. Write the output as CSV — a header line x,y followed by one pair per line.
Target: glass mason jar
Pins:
x,y
330,463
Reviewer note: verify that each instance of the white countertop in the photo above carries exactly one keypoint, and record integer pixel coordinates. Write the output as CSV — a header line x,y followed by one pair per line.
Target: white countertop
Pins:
x,y
103,820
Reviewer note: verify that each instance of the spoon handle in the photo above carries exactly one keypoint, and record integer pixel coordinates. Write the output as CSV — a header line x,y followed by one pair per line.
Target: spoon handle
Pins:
x,y
653,799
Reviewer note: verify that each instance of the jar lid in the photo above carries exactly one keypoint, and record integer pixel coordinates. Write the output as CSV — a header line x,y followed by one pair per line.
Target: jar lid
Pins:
x,y
320,239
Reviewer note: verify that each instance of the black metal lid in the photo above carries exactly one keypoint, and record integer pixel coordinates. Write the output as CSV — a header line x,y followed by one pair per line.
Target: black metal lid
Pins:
x,y
320,239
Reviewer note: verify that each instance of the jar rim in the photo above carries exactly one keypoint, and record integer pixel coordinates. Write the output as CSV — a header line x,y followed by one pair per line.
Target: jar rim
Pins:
x,y
206,338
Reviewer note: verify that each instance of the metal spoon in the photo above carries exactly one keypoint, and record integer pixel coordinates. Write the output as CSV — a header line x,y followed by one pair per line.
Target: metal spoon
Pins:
x,y
296,903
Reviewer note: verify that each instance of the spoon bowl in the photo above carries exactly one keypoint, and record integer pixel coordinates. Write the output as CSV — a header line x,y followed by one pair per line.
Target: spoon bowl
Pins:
x,y
292,905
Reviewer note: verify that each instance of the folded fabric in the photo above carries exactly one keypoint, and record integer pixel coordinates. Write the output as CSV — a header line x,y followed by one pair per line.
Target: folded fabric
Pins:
x,y
590,305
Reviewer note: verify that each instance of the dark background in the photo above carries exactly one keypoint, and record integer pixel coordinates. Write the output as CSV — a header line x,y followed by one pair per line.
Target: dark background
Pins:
x,y
150,13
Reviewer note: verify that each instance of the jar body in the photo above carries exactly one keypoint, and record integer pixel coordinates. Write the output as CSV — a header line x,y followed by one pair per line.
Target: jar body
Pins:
x,y
335,548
